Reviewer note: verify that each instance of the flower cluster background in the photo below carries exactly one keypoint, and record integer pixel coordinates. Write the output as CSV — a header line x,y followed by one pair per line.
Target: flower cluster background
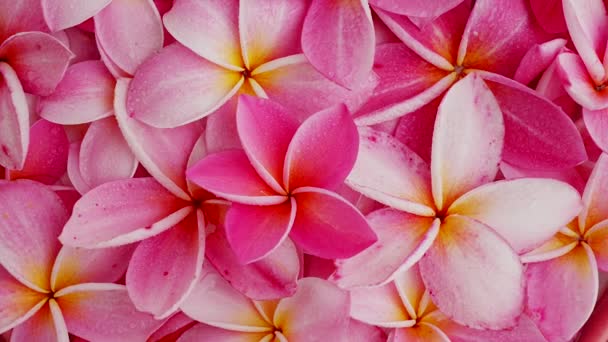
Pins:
x,y
303,170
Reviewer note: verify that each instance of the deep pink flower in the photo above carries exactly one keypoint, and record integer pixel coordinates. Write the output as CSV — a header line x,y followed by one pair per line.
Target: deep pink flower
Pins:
x,y
463,228
281,184
48,290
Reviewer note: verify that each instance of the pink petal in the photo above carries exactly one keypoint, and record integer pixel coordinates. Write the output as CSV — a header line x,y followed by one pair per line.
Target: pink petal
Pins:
x,y
562,292
579,84
39,59
46,325
47,155
220,132
273,277
266,37
323,150
571,176
524,331
265,130
422,332
203,332
402,240
538,59
173,328
361,332
20,16
104,312
256,231
17,302
526,212
213,301
77,265
73,170
498,34
129,32
595,208
165,268
380,306
467,141
163,152
423,9
549,15
587,25
61,14
176,86
415,130
596,122
122,212
597,238
538,134
328,226
229,174
85,94
595,329
338,39
14,120
105,155
473,276
81,44
286,80
318,311
406,83
209,29
32,218
390,173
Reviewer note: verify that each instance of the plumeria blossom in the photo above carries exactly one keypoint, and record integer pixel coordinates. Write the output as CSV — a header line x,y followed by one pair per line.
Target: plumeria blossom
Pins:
x,y
281,183
31,61
463,229
570,263
318,311
226,47
404,306
462,41
48,290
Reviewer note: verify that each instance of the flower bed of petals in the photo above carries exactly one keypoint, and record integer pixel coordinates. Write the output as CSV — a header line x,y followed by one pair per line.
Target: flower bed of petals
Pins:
x,y
303,170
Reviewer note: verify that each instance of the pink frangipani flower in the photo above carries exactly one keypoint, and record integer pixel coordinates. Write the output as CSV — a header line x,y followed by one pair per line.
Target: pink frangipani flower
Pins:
x,y
281,183
464,229
48,290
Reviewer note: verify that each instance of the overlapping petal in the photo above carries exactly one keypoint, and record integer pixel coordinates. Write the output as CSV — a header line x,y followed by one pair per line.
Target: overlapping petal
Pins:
x,y
14,120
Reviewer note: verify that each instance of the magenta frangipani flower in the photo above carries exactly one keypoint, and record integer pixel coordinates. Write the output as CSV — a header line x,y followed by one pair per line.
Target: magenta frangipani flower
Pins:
x,y
48,291
31,61
318,311
404,306
539,135
562,274
281,183
464,229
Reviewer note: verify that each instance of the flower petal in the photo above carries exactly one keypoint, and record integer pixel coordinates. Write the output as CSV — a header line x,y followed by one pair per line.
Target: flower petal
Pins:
x,y
579,84
317,311
256,231
595,329
209,29
597,238
105,155
203,332
165,268
526,212
14,120
473,275
380,306
338,39
39,59
129,32
538,59
213,301
328,226
85,94
467,141
402,240
104,312
524,331
595,208
61,14
390,173
323,150
17,302
587,25
421,332
47,154
549,15
562,293
175,87
415,130
421,9
32,218
596,123
265,130
23,16
46,325
538,134
122,212
229,174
